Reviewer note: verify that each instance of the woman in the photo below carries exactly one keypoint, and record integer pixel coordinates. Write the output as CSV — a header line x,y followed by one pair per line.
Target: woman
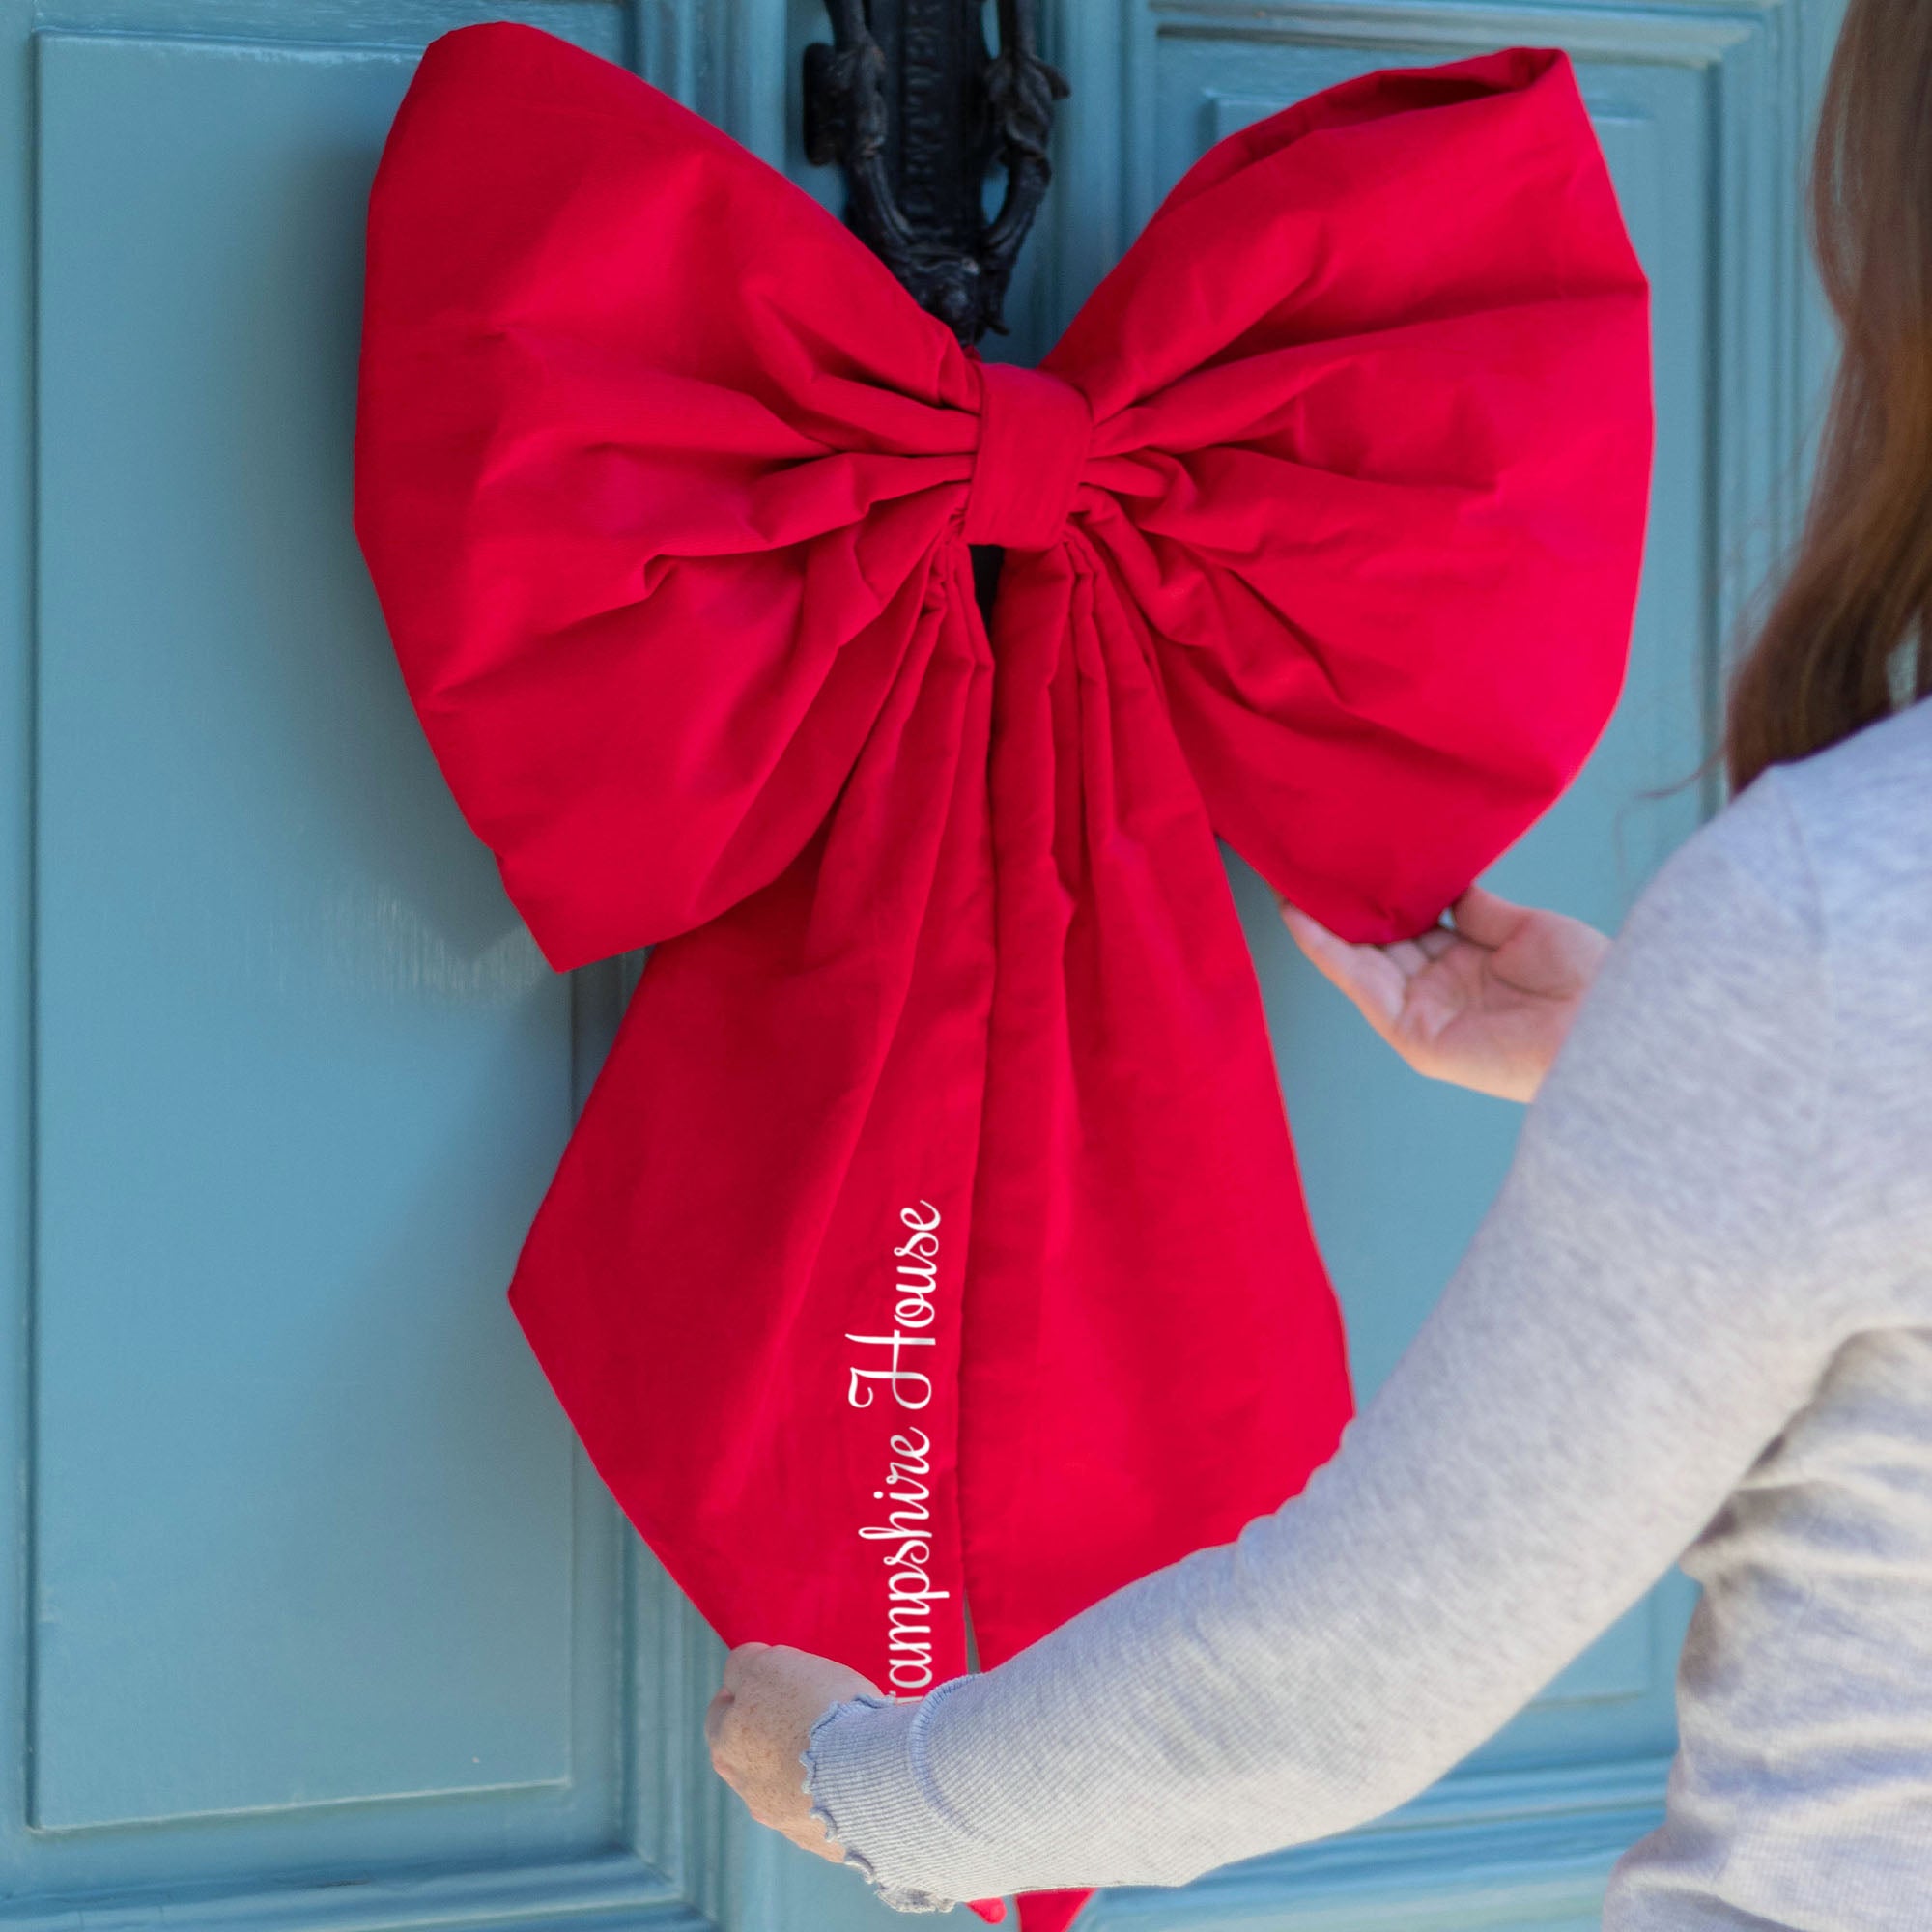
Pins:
x,y
1696,1324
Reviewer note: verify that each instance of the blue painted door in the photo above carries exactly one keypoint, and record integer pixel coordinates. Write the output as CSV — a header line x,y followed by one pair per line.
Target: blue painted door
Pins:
x,y
311,1613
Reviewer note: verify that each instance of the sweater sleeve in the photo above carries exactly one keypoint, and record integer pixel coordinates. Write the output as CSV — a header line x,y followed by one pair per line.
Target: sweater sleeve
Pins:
x,y
1641,1310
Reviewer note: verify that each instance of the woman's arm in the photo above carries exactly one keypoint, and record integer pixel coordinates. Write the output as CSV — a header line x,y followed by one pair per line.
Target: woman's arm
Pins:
x,y
1640,1312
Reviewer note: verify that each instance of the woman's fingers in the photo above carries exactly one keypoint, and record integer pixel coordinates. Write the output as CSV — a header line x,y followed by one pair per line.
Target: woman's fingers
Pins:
x,y
1309,933
1486,917
714,1719
1407,956
1366,974
1380,980
741,1664
1543,954
1328,953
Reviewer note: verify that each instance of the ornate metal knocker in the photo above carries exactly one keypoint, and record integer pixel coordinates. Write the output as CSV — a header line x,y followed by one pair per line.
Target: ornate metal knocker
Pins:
x,y
911,102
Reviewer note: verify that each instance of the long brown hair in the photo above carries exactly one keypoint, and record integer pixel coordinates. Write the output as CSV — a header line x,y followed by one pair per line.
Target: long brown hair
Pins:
x,y
1858,591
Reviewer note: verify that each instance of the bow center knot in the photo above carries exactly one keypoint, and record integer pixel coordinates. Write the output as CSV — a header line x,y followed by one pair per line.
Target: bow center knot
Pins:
x,y
1034,431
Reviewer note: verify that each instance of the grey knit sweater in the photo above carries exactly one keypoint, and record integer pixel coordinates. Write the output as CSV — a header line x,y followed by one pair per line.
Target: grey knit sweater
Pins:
x,y
1696,1324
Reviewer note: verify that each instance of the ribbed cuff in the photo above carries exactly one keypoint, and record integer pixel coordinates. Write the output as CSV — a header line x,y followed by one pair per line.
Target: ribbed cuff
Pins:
x,y
859,1772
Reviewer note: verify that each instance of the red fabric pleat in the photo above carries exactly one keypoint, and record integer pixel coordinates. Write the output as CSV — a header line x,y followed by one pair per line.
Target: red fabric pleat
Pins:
x,y
933,1236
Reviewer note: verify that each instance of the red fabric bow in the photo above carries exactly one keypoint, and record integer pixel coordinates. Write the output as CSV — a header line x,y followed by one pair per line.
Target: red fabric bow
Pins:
x,y
933,1235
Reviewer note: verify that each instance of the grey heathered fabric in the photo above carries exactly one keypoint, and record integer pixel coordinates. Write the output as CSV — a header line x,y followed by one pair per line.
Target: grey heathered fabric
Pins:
x,y
1696,1322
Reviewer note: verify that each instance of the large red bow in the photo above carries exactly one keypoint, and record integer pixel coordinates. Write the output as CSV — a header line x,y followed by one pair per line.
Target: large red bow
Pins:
x,y
933,1235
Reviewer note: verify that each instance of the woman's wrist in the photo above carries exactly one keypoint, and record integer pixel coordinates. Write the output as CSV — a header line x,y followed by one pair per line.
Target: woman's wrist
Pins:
x,y
862,1773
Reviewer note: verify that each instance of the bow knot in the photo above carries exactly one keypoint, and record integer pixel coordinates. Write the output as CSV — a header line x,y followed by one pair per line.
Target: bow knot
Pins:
x,y
1034,432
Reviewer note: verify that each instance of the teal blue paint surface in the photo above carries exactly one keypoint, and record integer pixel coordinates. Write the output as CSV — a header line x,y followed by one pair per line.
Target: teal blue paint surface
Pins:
x,y
312,1613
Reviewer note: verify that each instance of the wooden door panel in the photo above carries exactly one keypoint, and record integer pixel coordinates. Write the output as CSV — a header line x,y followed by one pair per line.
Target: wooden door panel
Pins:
x,y
315,1588
302,1525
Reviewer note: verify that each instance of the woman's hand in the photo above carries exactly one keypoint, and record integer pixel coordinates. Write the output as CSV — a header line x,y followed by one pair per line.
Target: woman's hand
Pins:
x,y
1484,1003
757,1726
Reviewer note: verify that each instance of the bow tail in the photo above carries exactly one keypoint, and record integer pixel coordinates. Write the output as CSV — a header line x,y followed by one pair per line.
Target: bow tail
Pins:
x,y
780,1185
1153,1353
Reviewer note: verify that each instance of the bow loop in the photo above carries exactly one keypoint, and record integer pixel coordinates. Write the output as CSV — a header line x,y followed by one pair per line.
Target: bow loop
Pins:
x,y
1375,381
1034,433
651,457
